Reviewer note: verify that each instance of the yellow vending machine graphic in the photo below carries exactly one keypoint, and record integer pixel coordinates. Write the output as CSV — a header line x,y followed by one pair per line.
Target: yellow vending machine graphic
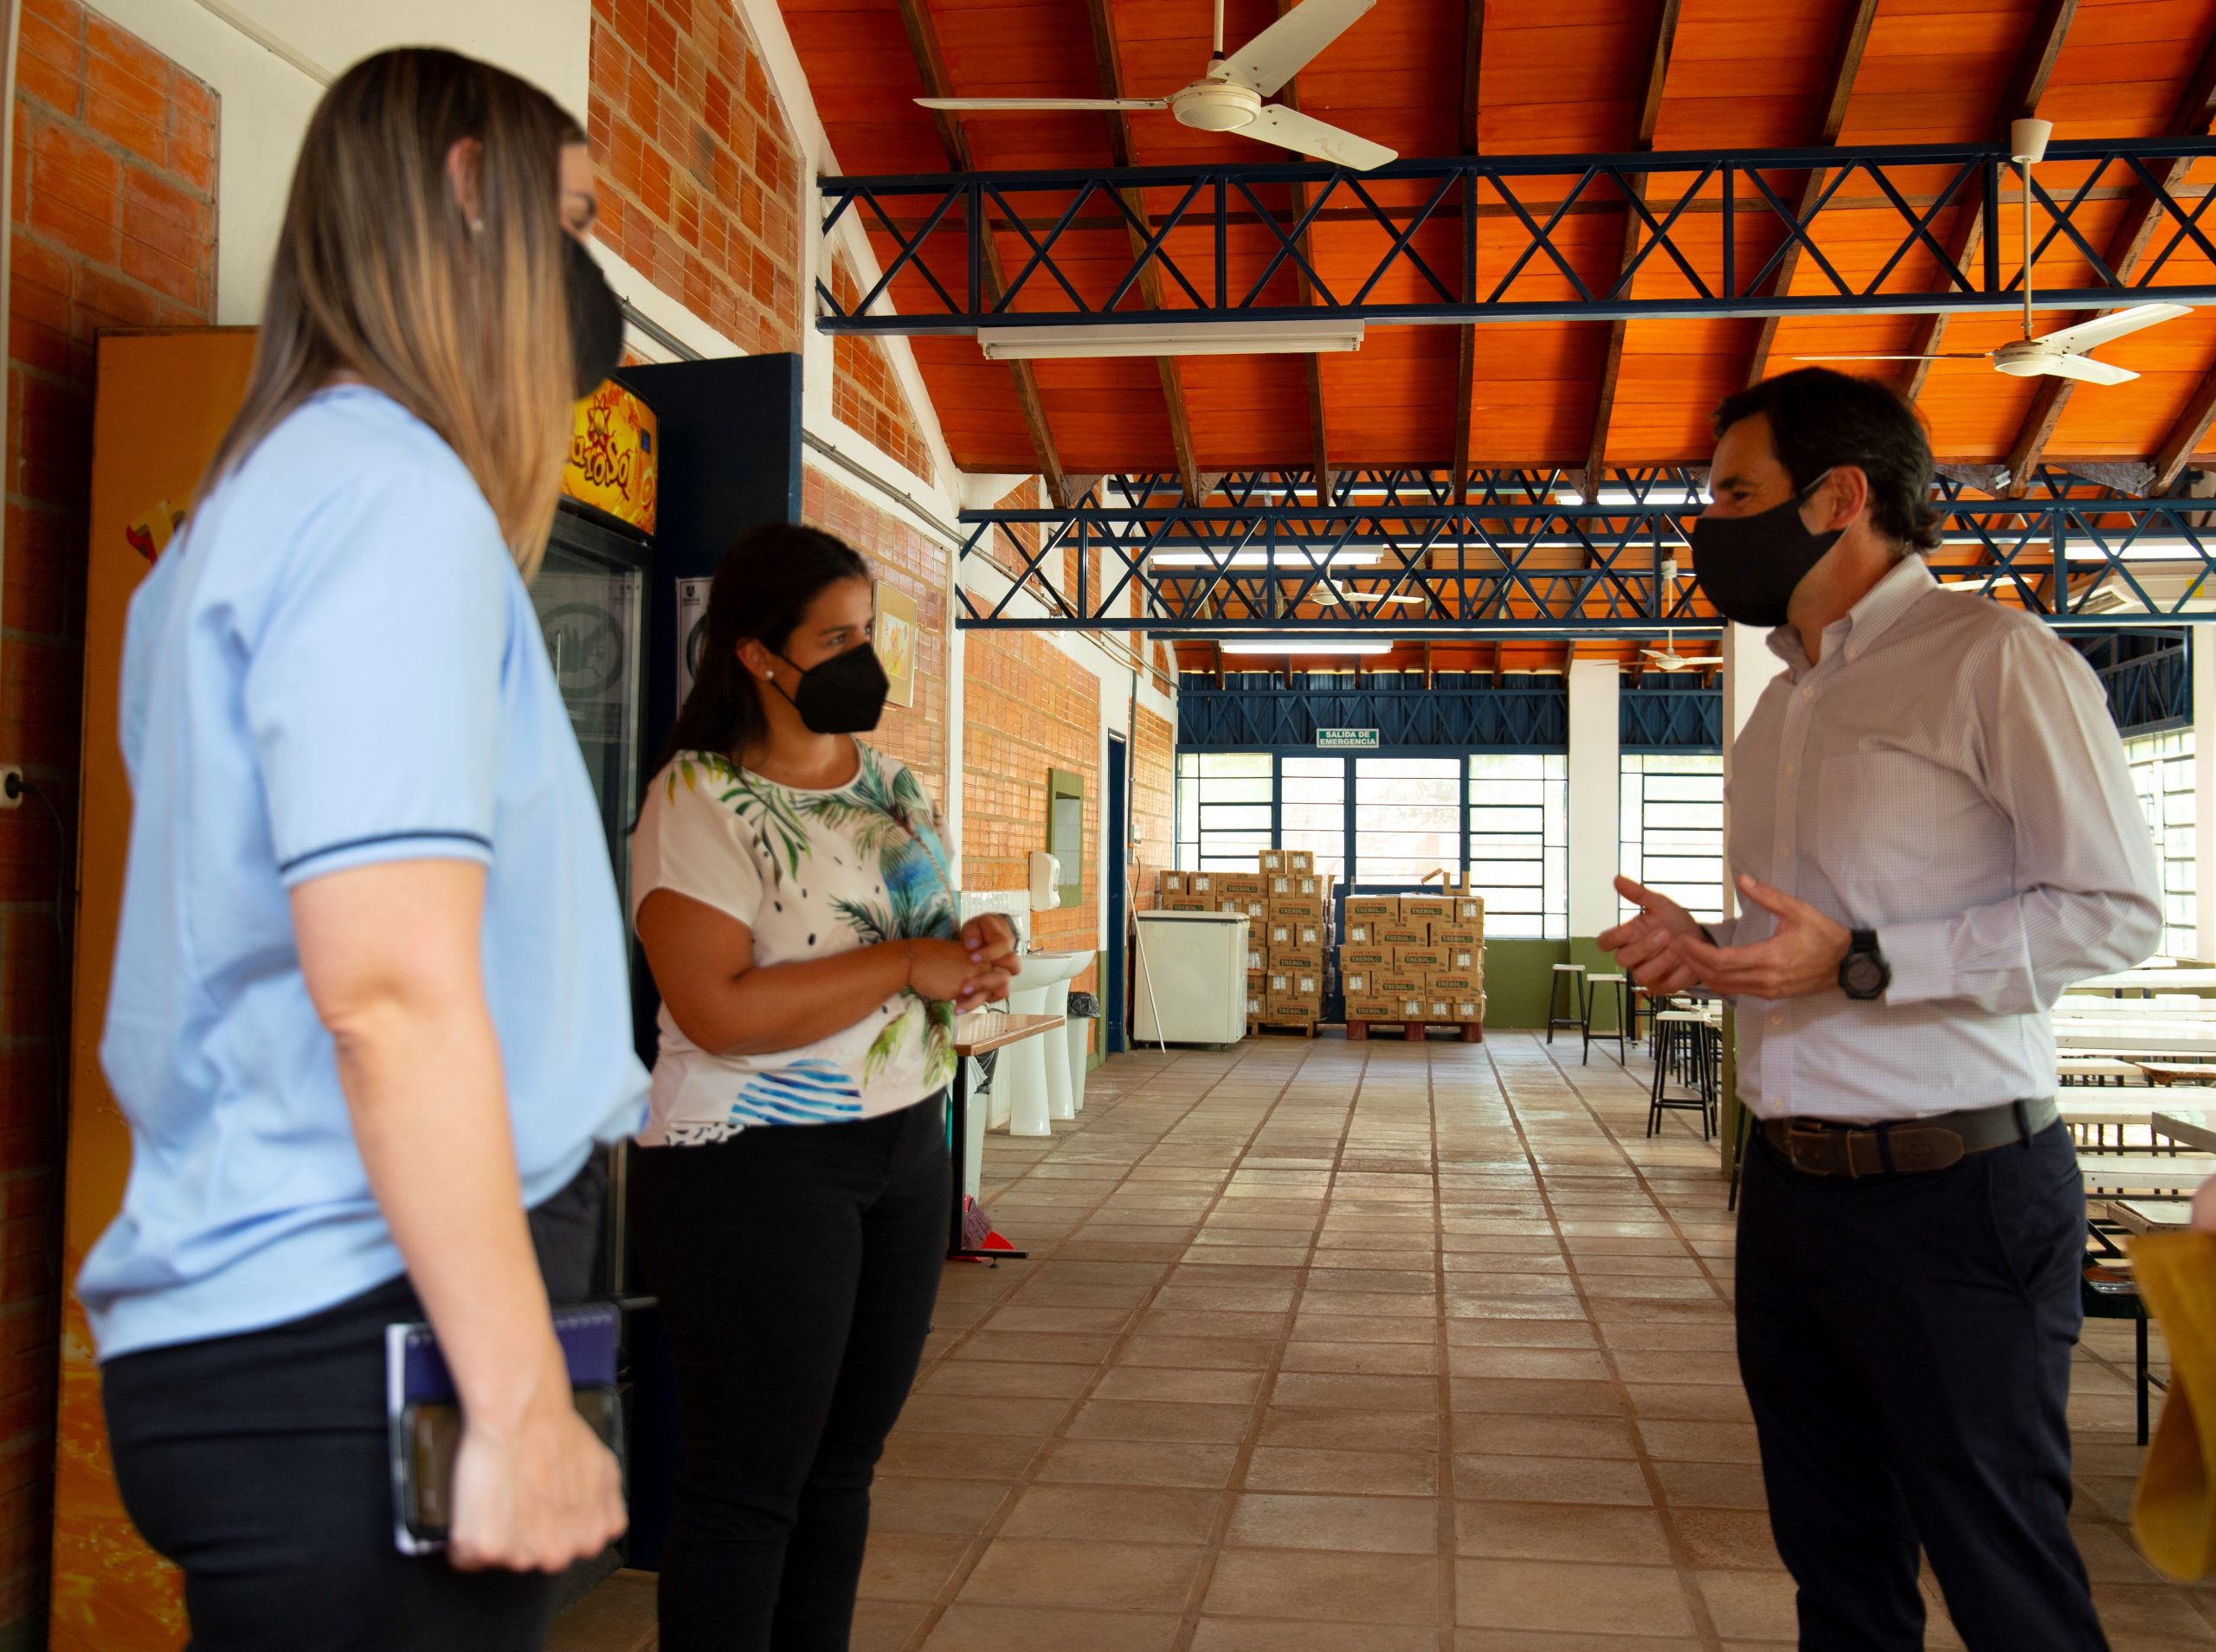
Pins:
x,y
163,402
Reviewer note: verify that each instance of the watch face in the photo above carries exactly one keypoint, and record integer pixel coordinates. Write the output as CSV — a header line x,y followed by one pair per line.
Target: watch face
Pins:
x,y
1864,974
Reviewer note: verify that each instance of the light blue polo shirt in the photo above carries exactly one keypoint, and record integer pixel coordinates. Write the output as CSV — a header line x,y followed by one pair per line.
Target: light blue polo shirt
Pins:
x,y
336,666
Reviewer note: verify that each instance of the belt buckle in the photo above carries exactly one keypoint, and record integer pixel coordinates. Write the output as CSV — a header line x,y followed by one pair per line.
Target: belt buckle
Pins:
x,y
1815,1164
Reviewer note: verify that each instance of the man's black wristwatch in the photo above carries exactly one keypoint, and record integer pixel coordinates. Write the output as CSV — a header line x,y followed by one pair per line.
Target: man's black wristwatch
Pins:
x,y
1864,974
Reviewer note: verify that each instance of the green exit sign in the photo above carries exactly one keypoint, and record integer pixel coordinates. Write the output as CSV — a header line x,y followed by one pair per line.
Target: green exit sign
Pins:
x,y
1347,739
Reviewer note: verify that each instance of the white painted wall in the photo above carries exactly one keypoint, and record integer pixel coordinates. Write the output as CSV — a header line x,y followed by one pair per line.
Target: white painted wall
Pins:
x,y
1596,768
2203,646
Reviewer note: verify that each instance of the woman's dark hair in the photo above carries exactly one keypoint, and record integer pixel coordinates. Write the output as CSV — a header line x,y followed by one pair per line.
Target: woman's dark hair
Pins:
x,y
761,590
1819,418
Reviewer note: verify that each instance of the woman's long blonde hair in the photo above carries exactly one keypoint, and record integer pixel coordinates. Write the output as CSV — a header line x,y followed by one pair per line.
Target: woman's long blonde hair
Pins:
x,y
380,274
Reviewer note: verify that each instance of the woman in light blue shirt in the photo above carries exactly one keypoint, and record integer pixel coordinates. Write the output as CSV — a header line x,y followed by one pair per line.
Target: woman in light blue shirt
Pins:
x,y
370,1016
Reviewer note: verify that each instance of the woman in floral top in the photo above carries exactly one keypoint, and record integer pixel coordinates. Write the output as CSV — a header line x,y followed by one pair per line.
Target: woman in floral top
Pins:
x,y
792,890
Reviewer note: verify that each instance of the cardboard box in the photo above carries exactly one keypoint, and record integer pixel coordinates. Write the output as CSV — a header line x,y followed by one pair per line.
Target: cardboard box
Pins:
x,y
1256,1004
1355,982
1278,932
1377,908
1302,861
1406,1006
1357,932
1400,933
1370,1008
1469,910
1293,1011
1200,884
1428,908
1252,906
1352,957
1297,957
1258,951
1239,883
1407,960
1295,906
1452,983
1470,1009
1308,983
1280,982
1187,903
1317,934
1392,983
1465,960
1438,1007
1169,883
1270,861
1449,882
1457,934
1310,887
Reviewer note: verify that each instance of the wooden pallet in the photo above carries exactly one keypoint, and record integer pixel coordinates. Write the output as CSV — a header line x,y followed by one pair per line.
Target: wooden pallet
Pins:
x,y
1305,1029
1414,1031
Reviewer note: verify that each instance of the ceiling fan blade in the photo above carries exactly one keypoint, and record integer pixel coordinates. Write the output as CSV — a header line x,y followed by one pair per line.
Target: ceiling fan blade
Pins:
x,y
1944,356
1717,661
2087,334
1291,43
989,105
2084,368
1290,129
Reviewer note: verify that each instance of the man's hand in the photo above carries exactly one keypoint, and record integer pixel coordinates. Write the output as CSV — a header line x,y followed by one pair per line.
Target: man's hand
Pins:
x,y
1646,946
1802,957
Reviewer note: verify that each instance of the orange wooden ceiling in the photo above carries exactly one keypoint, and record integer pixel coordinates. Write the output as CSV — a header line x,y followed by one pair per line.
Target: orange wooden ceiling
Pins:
x,y
1557,77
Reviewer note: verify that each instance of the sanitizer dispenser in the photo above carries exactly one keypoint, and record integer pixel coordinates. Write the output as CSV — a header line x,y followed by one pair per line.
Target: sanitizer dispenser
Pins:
x,y
1045,881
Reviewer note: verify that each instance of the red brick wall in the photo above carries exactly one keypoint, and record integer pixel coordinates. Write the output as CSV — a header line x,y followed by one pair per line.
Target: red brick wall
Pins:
x,y
1028,707
113,224
699,175
866,395
1154,759
917,564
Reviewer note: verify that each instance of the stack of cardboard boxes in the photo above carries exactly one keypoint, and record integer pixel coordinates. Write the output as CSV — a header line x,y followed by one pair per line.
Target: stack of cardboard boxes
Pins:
x,y
1289,940
1415,957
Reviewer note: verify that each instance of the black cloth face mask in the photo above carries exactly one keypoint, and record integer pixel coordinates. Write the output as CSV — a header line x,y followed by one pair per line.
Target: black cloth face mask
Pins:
x,y
596,317
1750,566
844,694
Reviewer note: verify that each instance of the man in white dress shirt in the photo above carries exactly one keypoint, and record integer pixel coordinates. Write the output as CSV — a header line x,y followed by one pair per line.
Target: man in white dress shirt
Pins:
x,y
1932,833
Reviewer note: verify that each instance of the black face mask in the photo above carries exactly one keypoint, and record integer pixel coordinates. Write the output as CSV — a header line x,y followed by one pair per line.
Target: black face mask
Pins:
x,y
596,317
844,694
1750,566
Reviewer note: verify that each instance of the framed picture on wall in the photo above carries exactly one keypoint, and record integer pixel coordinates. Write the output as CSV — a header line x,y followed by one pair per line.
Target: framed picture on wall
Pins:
x,y
898,633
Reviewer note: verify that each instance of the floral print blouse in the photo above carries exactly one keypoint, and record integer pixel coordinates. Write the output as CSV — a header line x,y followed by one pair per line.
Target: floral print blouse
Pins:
x,y
812,874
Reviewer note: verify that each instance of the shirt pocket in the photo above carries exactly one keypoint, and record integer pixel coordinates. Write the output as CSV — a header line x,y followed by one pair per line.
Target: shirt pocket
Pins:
x,y
1880,818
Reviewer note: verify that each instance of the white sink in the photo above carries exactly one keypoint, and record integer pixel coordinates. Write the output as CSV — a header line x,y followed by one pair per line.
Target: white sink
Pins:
x,y
1032,1078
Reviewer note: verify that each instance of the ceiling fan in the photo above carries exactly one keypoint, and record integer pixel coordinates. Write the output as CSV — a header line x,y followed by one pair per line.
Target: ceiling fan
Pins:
x,y
1667,657
1328,595
1228,98
2055,355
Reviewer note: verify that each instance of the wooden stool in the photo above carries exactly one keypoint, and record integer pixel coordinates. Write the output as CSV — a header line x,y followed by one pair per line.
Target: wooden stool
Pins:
x,y
1574,975
1622,1032
1689,1046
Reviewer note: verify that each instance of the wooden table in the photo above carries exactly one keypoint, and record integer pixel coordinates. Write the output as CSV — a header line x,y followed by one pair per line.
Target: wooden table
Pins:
x,y
2194,1127
2176,1072
975,1035
2081,1110
2097,1069
2150,1215
2172,980
2130,1174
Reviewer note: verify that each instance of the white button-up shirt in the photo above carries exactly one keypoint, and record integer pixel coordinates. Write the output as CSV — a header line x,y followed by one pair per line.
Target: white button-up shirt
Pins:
x,y
1947,774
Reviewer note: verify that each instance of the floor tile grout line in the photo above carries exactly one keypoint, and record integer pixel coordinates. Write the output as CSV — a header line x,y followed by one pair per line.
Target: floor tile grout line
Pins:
x,y
1680,1556
1266,1390
1444,1488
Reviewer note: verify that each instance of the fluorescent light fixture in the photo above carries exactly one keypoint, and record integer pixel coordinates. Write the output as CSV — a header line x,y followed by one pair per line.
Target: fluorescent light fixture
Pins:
x,y
1170,338
1280,558
1305,646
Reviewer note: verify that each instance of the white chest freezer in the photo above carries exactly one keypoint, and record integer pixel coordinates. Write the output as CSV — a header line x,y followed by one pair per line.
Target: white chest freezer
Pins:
x,y
1192,977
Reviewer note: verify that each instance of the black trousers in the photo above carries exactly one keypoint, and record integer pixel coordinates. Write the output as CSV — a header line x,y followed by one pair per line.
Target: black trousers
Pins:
x,y
258,1463
1905,1342
797,1268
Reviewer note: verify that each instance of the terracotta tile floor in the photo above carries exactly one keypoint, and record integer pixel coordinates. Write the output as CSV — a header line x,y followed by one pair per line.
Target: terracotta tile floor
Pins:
x,y
1365,1347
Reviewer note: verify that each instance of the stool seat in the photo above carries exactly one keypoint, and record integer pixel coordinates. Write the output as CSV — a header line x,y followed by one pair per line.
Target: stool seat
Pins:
x,y
1617,986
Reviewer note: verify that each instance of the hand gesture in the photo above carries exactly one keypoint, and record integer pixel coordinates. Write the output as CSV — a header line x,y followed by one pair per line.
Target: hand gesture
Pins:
x,y
991,941
1646,946
1802,957
948,971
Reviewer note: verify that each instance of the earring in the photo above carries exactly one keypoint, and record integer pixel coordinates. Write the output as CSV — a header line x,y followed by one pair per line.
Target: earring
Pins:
x,y
476,226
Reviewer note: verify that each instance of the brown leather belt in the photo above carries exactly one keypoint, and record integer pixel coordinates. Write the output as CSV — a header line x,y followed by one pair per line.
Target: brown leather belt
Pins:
x,y
1821,1148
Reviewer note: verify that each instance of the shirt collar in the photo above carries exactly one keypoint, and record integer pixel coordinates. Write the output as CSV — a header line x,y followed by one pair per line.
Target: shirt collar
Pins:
x,y
1903,586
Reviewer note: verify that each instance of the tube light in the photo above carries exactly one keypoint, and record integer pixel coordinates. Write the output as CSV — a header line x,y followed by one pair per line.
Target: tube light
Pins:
x,y
1303,645
1281,558
1170,338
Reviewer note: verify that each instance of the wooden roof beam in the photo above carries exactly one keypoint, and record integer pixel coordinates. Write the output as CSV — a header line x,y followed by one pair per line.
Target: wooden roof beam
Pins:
x,y
1854,38
2186,436
2196,108
931,64
1466,363
1650,114
1120,142
2027,86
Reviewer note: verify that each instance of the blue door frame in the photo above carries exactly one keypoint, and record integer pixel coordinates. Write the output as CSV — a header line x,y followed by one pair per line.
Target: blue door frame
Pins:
x,y
1118,811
